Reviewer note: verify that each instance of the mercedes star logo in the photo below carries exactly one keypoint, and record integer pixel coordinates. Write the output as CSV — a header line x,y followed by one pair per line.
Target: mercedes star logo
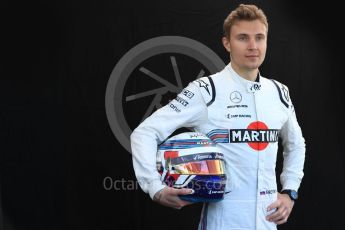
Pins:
x,y
236,97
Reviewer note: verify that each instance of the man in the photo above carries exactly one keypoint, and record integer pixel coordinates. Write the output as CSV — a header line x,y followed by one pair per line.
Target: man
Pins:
x,y
249,112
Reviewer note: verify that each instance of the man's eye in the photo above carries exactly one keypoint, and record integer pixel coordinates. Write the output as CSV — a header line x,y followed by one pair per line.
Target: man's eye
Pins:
x,y
259,38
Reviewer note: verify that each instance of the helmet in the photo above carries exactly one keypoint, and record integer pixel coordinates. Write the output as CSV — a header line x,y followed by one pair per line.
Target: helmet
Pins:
x,y
192,160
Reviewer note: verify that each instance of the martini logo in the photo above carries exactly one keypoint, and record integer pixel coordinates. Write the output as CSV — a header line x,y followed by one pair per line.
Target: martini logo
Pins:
x,y
257,135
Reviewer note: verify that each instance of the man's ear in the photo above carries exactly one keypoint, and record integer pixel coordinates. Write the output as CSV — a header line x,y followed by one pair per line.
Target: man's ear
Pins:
x,y
226,44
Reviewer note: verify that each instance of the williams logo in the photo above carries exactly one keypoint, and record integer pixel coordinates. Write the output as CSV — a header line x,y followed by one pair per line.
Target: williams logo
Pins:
x,y
257,135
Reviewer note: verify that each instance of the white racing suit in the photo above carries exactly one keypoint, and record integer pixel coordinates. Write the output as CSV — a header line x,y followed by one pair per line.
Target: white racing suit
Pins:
x,y
245,118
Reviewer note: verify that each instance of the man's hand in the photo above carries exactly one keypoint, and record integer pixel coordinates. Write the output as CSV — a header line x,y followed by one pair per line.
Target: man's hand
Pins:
x,y
283,207
170,197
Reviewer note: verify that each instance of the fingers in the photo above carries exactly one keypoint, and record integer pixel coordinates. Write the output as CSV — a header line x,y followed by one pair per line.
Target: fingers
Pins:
x,y
283,207
283,221
170,197
184,191
279,215
274,205
179,192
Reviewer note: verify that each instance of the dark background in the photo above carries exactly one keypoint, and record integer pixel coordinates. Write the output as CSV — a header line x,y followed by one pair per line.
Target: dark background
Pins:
x,y
56,146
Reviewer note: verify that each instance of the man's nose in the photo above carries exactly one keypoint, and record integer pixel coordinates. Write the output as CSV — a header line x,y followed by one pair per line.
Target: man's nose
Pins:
x,y
252,44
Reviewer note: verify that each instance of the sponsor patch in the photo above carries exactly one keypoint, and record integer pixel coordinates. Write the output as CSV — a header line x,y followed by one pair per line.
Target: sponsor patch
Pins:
x,y
237,106
269,191
181,101
174,107
204,85
235,97
257,135
229,116
188,93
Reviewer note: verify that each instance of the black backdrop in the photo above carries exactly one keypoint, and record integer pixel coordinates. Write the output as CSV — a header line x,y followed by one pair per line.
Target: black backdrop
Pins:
x,y
58,155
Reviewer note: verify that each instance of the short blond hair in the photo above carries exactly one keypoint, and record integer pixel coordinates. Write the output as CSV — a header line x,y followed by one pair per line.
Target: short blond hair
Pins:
x,y
246,13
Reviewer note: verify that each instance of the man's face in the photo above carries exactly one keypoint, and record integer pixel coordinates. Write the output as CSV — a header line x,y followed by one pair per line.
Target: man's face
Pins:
x,y
247,44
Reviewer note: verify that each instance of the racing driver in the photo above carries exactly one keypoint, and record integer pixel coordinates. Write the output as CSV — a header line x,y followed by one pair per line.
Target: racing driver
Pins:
x,y
245,114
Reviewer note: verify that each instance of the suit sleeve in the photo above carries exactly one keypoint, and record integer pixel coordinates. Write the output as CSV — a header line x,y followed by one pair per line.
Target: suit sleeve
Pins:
x,y
188,109
293,153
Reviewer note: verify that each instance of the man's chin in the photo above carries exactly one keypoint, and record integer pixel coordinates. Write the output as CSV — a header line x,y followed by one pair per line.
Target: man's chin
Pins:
x,y
254,65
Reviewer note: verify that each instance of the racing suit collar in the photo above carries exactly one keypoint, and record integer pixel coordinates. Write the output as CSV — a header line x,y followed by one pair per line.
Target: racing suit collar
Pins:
x,y
251,86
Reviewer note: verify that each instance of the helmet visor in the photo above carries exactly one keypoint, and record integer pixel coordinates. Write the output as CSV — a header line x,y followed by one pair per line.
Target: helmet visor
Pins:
x,y
205,167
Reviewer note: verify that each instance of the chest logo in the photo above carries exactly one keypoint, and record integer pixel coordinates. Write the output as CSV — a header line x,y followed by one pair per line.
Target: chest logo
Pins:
x,y
257,135
235,97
